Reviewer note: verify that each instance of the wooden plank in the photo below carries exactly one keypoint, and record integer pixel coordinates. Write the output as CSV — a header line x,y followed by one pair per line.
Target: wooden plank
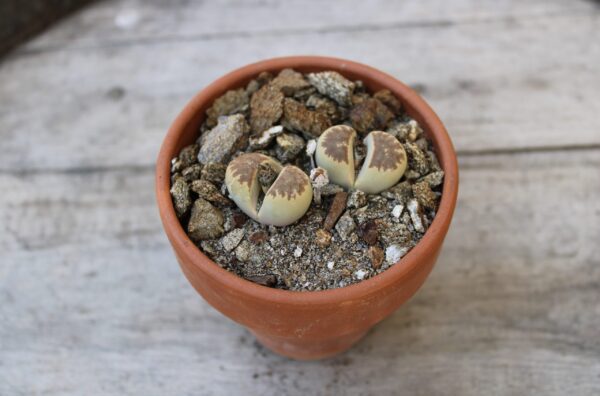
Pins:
x,y
125,21
92,301
498,86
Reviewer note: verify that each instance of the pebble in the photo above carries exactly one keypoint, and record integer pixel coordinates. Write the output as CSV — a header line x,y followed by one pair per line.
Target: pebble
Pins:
x,y
387,98
182,200
298,252
325,106
331,189
394,253
243,251
345,226
298,118
214,172
208,191
330,265
335,210
322,238
188,155
417,159
233,101
434,179
356,199
397,211
370,115
206,221
258,237
368,231
424,195
311,147
289,145
263,280
290,82
264,139
266,108
230,134
401,192
376,255
360,274
333,85
192,172
233,239
239,219
414,209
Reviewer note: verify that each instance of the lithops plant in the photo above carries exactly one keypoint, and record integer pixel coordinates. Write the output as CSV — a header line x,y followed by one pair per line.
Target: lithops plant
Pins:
x,y
286,200
383,167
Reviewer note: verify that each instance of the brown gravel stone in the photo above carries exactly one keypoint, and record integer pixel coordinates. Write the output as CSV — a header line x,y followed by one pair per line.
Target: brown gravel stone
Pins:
x,y
206,221
214,172
368,232
401,192
417,159
180,192
263,280
189,155
258,237
289,82
322,238
239,219
208,191
192,172
424,195
234,101
376,255
388,99
266,107
298,118
325,106
335,210
370,115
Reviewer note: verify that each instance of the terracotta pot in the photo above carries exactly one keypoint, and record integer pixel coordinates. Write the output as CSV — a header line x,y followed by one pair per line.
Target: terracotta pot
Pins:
x,y
307,325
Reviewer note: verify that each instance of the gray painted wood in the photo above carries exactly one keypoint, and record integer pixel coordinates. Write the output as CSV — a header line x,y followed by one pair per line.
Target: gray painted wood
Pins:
x,y
499,84
92,301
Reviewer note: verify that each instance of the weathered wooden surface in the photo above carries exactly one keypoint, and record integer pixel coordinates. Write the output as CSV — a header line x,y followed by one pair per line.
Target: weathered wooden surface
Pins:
x,y
92,301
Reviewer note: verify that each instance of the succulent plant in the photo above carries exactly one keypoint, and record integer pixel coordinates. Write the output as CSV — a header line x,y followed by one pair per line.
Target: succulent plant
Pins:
x,y
383,167
285,201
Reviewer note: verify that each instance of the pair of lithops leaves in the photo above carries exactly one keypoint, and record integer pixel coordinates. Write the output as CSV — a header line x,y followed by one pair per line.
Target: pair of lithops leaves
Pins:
x,y
290,195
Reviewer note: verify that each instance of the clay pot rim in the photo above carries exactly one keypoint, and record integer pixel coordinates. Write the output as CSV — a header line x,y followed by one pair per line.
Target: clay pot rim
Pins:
x,y
249,290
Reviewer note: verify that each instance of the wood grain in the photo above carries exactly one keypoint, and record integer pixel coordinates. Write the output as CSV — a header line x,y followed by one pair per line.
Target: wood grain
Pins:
x,y
93,302
498,85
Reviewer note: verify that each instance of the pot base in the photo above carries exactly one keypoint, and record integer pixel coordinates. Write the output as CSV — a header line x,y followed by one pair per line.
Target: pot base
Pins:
x,y
303,349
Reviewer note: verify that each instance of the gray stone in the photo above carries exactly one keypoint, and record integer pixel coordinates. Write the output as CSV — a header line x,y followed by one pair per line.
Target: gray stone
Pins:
x,y
233,239
289,145
230,134
180,192
401,192
345,226
356,199
334,86
434,179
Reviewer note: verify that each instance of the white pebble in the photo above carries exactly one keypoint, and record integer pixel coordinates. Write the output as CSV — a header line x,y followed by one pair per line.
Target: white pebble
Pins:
x,y
311,147
397,211
298,251
394,253
360,274
415,215
282,252
330,265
